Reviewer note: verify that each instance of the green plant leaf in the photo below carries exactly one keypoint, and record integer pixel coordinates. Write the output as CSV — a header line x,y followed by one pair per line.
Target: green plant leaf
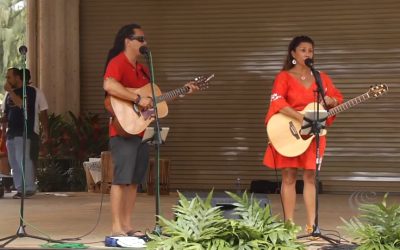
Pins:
x,y
198,225
377,227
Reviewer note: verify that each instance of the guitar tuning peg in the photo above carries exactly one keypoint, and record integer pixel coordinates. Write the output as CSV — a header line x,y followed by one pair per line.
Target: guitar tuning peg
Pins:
x,y
198,78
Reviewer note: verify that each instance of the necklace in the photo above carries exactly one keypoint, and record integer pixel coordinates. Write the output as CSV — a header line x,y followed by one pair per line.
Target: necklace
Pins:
x,y
302,77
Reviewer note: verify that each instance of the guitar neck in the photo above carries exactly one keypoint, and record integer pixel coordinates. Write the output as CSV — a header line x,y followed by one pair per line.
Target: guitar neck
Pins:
x,y
170,95
349,104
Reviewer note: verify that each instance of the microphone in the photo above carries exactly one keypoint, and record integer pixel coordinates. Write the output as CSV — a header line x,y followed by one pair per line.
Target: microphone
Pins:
x,y
309,62
144,50
23,50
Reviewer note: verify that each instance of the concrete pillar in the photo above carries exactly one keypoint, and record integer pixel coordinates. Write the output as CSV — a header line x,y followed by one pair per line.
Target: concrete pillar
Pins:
x,y
53,51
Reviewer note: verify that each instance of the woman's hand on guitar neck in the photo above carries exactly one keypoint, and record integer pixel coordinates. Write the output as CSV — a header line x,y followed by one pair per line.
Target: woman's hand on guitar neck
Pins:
x,y
330,101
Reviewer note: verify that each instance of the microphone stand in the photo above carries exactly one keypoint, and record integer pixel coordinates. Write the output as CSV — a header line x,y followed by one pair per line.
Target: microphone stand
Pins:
x,y
316,127
21,229
157,136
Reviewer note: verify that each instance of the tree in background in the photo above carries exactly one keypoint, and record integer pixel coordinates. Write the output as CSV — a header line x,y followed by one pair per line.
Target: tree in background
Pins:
x,y
12,35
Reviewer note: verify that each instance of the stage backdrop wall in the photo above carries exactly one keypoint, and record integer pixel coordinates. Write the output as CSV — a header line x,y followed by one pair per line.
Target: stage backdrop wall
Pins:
x,y
218,135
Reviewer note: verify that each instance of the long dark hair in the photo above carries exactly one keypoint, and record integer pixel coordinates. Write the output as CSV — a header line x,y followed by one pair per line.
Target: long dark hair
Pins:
x,y
119,42
292,47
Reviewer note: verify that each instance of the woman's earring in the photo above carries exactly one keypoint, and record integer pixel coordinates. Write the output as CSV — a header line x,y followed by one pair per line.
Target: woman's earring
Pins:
x,y
294,62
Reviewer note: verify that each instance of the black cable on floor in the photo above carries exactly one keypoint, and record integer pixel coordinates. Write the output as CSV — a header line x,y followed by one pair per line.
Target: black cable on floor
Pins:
x,y
97,221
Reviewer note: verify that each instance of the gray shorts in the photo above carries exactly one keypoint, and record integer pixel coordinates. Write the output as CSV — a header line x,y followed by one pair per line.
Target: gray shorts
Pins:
x,y
130,158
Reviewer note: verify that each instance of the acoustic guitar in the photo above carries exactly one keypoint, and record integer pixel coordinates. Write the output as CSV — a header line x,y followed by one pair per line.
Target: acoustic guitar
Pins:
x,y
285,134
131,119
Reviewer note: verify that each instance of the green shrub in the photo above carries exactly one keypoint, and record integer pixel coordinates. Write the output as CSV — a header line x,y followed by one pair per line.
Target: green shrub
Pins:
x,y
377,228
75,137
199,226
72,140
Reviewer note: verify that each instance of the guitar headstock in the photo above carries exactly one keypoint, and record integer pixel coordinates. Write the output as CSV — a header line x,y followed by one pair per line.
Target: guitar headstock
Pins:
x,y
202,81
377,90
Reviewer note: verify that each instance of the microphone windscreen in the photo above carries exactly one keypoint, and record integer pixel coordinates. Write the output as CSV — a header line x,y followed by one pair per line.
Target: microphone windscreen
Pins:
x,y
23,49
143,50
309,62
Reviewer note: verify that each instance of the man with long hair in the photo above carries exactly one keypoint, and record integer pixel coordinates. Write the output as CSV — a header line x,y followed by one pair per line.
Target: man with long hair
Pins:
x,y
129,154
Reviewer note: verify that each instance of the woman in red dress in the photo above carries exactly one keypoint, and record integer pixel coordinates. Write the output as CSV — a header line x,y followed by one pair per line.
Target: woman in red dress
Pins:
x,y
294,88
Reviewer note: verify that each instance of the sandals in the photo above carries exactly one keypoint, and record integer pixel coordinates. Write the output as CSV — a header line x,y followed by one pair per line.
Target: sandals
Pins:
x,y
132,233
309,229
138,234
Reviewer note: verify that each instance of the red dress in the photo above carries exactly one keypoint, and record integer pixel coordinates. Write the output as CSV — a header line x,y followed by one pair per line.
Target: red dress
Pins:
x,y
288,91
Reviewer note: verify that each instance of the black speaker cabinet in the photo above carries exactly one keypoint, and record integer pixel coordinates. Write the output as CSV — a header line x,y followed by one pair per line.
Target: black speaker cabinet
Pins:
x,y
226,203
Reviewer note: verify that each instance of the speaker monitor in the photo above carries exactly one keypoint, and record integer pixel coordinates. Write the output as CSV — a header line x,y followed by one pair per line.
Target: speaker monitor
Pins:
x,y
226,203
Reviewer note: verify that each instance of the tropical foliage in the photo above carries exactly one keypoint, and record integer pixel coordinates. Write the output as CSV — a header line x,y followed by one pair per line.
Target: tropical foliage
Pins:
x,y
199,225
12,34
77,137
72,140
377,227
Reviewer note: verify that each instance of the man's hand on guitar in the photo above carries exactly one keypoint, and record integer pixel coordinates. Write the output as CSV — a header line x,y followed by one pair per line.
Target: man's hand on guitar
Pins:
x,y
145,102
192,87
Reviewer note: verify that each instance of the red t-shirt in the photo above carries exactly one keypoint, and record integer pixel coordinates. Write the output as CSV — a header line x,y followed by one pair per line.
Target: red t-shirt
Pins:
x,y
288,91
130,76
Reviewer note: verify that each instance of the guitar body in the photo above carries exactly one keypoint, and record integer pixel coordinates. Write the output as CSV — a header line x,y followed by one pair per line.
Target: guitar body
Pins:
x,y
284,133
129,119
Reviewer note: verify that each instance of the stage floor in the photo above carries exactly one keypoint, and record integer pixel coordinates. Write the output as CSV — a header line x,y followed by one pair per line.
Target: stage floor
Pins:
x,y
70,215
